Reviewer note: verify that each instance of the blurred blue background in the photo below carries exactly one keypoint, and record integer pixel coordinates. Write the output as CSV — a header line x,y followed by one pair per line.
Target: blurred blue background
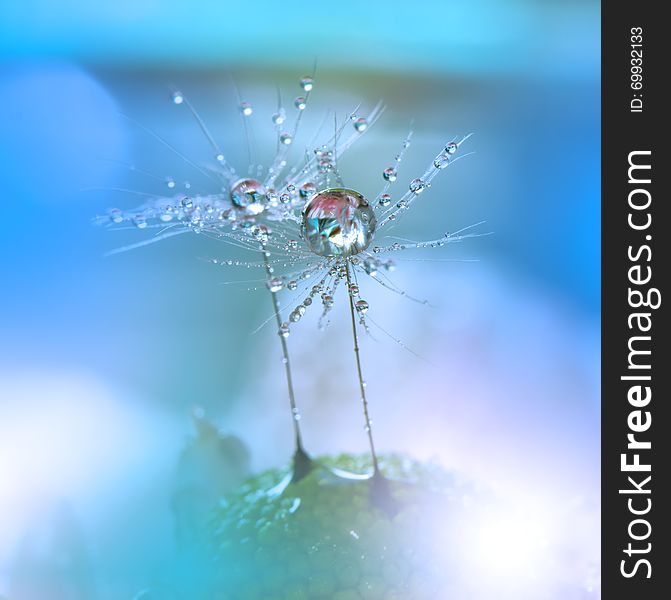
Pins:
x,y
102,359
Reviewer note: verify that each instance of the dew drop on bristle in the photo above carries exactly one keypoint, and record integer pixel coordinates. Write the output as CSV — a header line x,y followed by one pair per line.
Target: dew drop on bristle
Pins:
x,y
385,200
177,97
249,195
140,222
370,266
115,215
361,124
307,189
307,83
417,186
275,284
300,103
361,306
246,109
441,161
284,330
389,174
451,148
279,117
170,182
286,139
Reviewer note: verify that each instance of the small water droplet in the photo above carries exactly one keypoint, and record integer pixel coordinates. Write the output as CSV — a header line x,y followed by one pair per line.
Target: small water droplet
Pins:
x,y
362,306
284,330
361,124
451,148
220,158
246,109
327,300
370,266
186,202
279,117
115,215
292,285
307,83
286,139
140,222
385,200
307,189
300,103
170,182
417,186
441,161
177,97
389,174
275,284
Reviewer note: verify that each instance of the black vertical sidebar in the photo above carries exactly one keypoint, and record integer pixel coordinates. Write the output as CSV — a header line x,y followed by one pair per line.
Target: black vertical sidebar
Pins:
x,y
636,361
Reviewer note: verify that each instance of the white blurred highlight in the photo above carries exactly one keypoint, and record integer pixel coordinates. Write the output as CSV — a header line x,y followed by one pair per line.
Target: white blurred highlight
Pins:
x,y
65,436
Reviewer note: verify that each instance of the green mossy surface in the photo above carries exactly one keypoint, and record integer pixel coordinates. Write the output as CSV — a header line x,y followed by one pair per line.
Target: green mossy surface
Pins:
x,y
328,537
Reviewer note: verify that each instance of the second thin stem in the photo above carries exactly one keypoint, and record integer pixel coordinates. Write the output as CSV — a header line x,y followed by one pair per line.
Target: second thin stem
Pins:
x,y
362,383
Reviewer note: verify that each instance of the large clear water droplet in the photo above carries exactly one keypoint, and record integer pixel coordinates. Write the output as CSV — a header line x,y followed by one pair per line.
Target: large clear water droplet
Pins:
x,y
286,138
300,103
249,195
451,148
338,222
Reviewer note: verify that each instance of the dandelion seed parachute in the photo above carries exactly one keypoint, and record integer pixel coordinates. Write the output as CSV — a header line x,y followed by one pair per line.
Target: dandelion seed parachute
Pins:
x,y
248,213
314,234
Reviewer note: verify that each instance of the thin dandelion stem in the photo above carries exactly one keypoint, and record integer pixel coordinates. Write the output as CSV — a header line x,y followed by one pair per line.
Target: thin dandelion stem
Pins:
x,y
362,384
301,459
